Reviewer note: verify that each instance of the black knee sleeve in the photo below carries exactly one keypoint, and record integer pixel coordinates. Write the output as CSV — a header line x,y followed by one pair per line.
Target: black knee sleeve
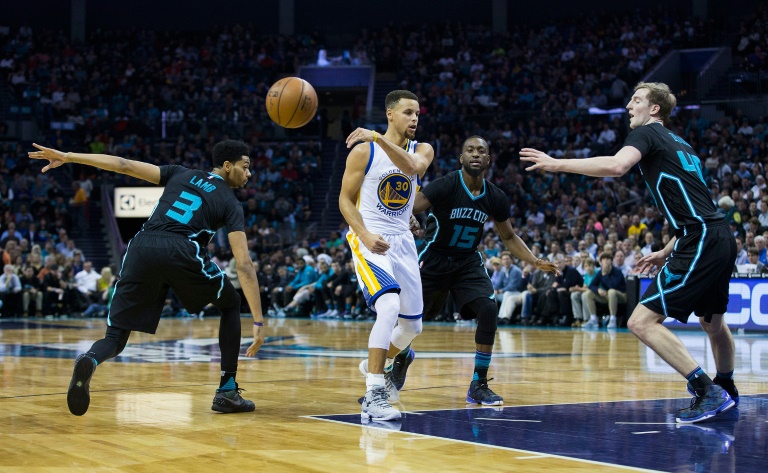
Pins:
x,y
486,311
229,327
111,345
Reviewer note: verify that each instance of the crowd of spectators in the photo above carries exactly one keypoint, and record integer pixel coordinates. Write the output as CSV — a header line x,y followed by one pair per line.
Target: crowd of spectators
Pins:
x,y
168,97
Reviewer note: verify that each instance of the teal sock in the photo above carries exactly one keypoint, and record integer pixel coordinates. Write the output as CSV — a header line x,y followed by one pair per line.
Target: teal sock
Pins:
x,y
482,362
227,382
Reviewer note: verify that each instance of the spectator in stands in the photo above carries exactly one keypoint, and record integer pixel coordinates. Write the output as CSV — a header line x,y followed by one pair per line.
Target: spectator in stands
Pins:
x,y
760,244
304,274
10,234
580,309
649,244
763,216
10,292
637,228
559,296
753,264
53,293
86,282
608,287
619,261
512,291
31,293
498,277
741,251
540,282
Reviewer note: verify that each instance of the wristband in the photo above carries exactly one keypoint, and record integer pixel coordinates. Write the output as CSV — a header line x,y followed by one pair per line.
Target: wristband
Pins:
x,y
258,324
375,137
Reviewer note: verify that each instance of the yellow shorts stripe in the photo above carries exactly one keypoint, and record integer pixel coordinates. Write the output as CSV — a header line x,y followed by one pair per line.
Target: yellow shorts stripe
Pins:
x,y
369,279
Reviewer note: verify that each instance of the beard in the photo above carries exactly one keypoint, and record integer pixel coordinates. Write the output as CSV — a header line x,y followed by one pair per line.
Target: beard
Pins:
x,y
474,172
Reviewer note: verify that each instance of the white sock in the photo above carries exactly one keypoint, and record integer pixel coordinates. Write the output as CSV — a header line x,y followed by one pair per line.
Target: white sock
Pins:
x,y
373,380
593,318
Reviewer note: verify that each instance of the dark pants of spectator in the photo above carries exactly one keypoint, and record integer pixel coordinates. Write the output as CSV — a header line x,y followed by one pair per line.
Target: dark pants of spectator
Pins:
x,y
559,306
11,304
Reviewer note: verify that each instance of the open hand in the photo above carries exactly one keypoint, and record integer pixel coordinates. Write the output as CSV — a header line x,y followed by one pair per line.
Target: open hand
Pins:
x,y
650,263
258,340
540,160
55,157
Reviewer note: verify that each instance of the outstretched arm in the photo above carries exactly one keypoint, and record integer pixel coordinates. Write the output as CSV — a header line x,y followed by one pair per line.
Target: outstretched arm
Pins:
x,y
137,169
517,247
599,166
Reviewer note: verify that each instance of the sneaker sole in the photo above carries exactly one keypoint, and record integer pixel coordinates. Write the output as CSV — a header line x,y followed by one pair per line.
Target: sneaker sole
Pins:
x,y
78,394
485,403
364,416
708,415
407,365
224,410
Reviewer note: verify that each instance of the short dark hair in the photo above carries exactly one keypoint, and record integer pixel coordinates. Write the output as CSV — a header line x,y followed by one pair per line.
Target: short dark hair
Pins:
x,y
474,137
394,97
229,150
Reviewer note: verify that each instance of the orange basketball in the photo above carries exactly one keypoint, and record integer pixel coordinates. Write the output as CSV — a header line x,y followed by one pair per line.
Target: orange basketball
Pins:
x,y
291,102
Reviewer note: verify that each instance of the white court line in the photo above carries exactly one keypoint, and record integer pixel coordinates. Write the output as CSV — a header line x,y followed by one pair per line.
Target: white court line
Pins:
x,y
532,457
498,447
646,423
648,432
506,420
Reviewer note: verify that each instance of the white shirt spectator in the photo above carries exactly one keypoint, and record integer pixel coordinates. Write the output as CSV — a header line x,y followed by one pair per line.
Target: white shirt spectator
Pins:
x,y
607,136
87,278
759,185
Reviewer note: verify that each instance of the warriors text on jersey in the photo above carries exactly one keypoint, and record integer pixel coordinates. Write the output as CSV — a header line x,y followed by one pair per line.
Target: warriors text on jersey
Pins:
x,y
386,196
456,219
672,173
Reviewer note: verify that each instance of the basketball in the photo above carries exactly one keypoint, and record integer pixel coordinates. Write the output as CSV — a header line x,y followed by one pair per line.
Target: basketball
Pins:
x,y
291,102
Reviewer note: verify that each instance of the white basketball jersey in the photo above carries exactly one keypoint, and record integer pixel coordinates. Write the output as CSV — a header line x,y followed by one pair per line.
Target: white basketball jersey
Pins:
x,y
386,197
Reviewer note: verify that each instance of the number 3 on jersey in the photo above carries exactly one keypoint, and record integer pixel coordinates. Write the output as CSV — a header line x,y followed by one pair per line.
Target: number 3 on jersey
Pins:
x,y
463,237
188,208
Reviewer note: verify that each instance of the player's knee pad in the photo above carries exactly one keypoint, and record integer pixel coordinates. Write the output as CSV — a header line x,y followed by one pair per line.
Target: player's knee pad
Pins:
x,y
486,312
406,331
387,307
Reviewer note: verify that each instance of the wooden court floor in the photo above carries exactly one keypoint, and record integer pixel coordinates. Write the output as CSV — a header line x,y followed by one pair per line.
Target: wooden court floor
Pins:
x,y
575,401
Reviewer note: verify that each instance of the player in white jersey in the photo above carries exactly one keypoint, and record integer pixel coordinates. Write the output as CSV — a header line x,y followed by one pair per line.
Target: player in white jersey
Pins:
x,y
380,183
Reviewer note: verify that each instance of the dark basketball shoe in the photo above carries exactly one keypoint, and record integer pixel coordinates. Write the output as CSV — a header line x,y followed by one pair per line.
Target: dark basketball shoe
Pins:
x,y
480,393
714,401
724,383
231,401
78,395
400,368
